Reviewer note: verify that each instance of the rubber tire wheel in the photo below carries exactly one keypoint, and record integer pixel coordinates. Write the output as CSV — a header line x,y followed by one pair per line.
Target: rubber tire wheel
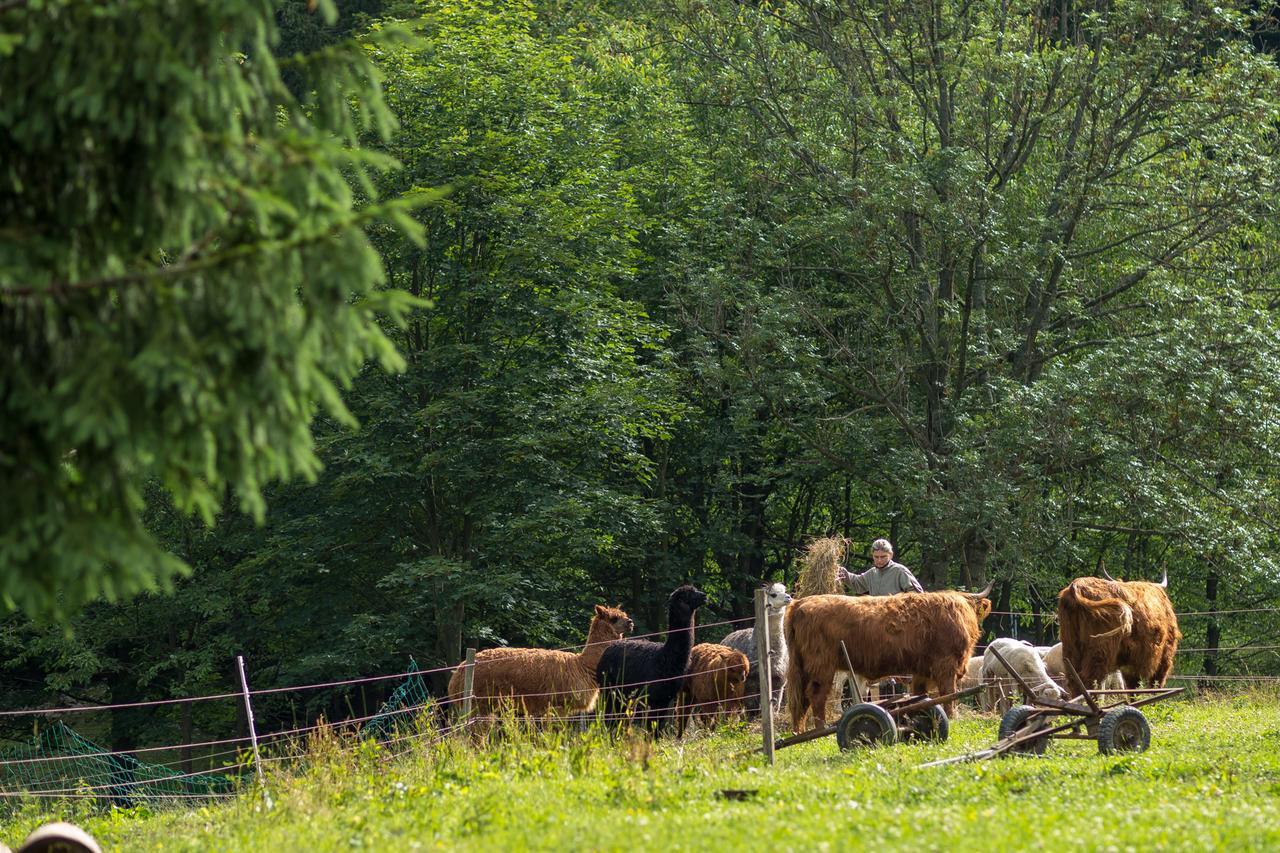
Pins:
x,y
865,725
1123,729
926,724
1016,718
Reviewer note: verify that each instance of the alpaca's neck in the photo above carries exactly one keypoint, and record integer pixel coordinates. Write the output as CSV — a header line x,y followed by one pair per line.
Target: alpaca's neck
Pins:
x,y
598,639
679,634
775,626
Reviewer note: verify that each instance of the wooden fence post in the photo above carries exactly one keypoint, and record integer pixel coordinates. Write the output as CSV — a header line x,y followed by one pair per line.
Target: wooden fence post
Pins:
x,y
764,665
468,686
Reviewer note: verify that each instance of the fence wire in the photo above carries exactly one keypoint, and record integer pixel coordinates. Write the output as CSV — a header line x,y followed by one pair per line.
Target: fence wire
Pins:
x,y
61,763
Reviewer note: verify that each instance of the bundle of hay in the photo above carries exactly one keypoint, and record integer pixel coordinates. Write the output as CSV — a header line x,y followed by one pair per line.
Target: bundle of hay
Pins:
x,y
819,564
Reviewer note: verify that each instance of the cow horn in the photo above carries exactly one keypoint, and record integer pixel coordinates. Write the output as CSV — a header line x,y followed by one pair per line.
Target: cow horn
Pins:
x,y
1164,580
1106,574
976,595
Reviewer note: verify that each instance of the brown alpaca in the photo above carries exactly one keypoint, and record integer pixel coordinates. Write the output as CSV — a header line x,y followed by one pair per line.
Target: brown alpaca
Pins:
x,y
929,635
717,679
542,681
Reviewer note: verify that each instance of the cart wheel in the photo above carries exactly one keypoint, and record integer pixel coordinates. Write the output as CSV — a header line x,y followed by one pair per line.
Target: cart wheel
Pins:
x,y
926,724
1123,729
865,725
1015,719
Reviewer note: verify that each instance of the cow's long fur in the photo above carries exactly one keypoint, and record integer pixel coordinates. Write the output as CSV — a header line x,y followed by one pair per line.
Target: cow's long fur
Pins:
x,y
649,675
1108,625
744,640
1026,661
818,576
929,635
716,682
539,681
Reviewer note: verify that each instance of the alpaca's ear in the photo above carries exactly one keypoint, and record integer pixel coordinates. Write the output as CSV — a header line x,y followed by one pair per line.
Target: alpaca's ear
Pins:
x,y
599,609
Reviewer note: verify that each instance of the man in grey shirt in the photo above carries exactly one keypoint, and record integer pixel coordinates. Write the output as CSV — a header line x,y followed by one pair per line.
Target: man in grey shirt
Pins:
x,y
885,577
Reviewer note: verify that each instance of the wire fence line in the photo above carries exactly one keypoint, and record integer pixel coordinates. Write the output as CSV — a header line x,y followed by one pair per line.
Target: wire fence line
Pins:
x,y
437,735
120,775
439,701
106,753
120,787
68,709
83,794
978,649
1263,679
1054,614
125,790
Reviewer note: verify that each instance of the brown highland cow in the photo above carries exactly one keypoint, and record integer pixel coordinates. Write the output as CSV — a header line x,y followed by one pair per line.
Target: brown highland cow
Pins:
x,y
928,635
1108,624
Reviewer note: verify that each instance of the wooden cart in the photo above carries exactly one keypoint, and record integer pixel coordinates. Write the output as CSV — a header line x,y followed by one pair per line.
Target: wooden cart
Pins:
x,y
886,721
1116,726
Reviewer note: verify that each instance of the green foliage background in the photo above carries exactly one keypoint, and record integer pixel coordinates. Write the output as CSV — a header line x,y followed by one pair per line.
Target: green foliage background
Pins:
x,y
653,295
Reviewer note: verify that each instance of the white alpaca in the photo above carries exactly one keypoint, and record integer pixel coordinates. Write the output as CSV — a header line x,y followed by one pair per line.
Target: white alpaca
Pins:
x,y
972,673
744,640
1024,658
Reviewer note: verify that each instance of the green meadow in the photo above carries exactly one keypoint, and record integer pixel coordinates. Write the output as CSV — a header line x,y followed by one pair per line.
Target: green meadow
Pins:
x,y
1211,779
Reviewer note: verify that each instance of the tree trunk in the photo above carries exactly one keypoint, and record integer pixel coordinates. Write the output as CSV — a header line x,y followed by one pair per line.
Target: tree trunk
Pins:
x,y
1003,621
1213,635
976,551
751,528
448,638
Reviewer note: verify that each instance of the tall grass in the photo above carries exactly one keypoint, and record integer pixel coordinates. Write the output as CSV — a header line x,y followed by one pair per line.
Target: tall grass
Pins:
x,y
1210,780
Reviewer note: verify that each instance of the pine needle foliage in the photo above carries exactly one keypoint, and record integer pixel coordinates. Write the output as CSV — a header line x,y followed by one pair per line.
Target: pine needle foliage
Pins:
x,y
185,280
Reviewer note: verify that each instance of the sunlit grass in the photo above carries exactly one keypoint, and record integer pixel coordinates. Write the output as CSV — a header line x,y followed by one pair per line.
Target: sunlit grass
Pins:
x,y
1211,779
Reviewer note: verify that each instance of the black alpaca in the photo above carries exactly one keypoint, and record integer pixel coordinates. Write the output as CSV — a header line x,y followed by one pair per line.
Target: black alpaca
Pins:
x,y
647,676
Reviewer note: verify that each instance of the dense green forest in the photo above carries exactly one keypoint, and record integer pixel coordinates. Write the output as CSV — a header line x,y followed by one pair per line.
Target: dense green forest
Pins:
x,y
620,296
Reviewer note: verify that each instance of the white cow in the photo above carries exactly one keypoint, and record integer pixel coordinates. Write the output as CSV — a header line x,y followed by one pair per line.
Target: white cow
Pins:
x,y
1028,664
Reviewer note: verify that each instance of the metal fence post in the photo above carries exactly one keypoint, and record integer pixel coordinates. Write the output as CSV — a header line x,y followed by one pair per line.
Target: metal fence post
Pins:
x,y
253,732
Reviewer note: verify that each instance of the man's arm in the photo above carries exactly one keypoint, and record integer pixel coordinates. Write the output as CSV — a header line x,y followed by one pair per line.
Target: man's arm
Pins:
x,y
858,584
908,581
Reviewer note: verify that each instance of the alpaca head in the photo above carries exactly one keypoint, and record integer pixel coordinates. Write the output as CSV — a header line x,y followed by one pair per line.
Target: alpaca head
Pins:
x,y
736,676
778,597
615,619
684,601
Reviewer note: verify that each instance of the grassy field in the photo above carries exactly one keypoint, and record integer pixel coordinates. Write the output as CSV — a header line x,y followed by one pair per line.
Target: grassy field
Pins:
x,y
1211,780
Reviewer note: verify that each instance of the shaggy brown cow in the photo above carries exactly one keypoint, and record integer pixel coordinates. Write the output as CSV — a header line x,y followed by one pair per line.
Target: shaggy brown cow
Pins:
x,y
1108,625
929,635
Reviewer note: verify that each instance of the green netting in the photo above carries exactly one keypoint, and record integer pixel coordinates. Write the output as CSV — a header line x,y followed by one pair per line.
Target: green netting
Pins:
x,y
61,761
400,708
